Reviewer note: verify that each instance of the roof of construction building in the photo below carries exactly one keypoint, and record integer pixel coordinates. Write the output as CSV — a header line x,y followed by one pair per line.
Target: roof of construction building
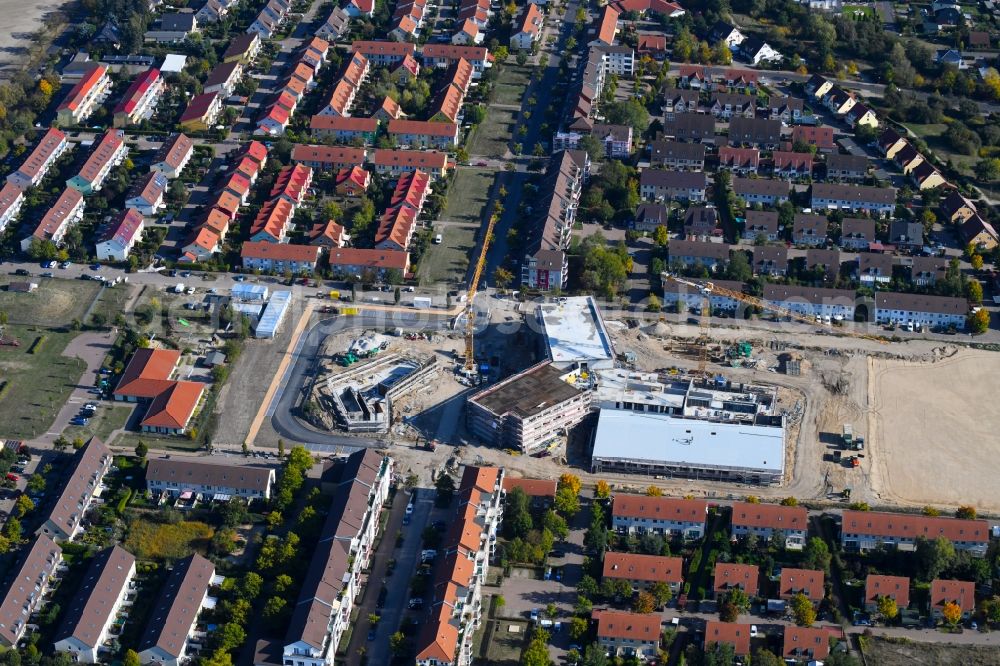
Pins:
x,y
623,434
529,393
575,332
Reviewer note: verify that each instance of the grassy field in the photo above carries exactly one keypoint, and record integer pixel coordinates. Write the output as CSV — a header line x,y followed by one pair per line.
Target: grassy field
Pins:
x,y
54,303
35,386
110,303
858,11
468,195
933,134
493,135
506,646
448,261
130,440
101,425
153,540
511,84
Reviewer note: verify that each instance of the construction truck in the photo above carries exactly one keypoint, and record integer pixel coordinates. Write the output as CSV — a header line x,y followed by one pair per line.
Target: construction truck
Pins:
x,y
848,436
348,359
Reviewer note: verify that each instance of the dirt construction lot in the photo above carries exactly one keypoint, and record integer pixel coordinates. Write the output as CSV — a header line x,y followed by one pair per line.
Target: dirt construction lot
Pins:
x,y
898,653
934,432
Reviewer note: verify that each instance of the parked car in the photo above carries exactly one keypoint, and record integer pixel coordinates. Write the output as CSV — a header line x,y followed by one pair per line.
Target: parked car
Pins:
x,y
21,271
48,264
65,264
79,421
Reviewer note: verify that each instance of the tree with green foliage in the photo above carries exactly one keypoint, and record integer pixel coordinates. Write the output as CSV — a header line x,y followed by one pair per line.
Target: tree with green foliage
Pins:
x,y
131,658
556,524
445,486
661,593
537,652
817,555
933,557
566,502
251,586
764,657
602,490
578,628
517,520
23,505
230,636
719,654
397,643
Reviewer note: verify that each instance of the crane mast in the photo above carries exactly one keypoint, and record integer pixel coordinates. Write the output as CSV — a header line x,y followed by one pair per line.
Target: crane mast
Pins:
x,y
706,289
470,313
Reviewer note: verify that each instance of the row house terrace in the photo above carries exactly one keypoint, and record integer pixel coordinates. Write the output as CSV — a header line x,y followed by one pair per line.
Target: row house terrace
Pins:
x,y
140,99
29,581
764,520
89,466
38,162
666,516
867,530
546,265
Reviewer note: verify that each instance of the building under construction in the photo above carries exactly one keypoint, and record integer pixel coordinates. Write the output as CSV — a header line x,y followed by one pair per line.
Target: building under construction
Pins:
x,y
529,411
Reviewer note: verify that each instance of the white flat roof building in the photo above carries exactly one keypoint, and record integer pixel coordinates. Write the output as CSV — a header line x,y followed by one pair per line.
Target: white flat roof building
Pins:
x,y
660,444
575,333
639,391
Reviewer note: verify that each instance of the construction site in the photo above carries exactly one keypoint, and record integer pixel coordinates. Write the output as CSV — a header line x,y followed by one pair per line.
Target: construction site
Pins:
x,y
356,389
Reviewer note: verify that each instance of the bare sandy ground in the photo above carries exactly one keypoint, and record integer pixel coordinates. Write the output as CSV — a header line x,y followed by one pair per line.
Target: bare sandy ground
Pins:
x,y
935,438
20,19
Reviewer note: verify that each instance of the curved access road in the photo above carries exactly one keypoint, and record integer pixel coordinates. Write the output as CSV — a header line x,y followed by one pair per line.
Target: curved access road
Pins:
x,y
282,419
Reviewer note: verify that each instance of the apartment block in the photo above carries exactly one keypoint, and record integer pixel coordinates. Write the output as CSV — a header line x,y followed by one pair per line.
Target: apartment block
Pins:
x,y
469,544
335,575
210,479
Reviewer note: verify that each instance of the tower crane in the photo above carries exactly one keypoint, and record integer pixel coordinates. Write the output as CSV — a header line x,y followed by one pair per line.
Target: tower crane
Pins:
x,y
469,369
707,288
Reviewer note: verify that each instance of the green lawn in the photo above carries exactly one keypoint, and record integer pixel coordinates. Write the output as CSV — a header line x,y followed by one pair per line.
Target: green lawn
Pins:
x,y
130,440
505,646
55,303
101,425
35,386
468,194
449,261
933,133
858,11
491,138
110,303
511,84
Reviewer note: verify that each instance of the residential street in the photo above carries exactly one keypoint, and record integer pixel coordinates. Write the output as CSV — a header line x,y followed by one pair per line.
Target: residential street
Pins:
x,y
398,585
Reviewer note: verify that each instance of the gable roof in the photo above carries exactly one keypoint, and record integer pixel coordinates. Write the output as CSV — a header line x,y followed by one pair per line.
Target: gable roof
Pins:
x,y
770,516
896,587
731,633
807,581
177,607
91,607
730,574
659,508
650,568
960,592
147,374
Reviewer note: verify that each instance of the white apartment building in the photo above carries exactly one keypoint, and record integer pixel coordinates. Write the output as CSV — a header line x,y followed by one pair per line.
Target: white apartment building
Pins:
x,y
456,611
812,301
172,622
95,606
323,610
